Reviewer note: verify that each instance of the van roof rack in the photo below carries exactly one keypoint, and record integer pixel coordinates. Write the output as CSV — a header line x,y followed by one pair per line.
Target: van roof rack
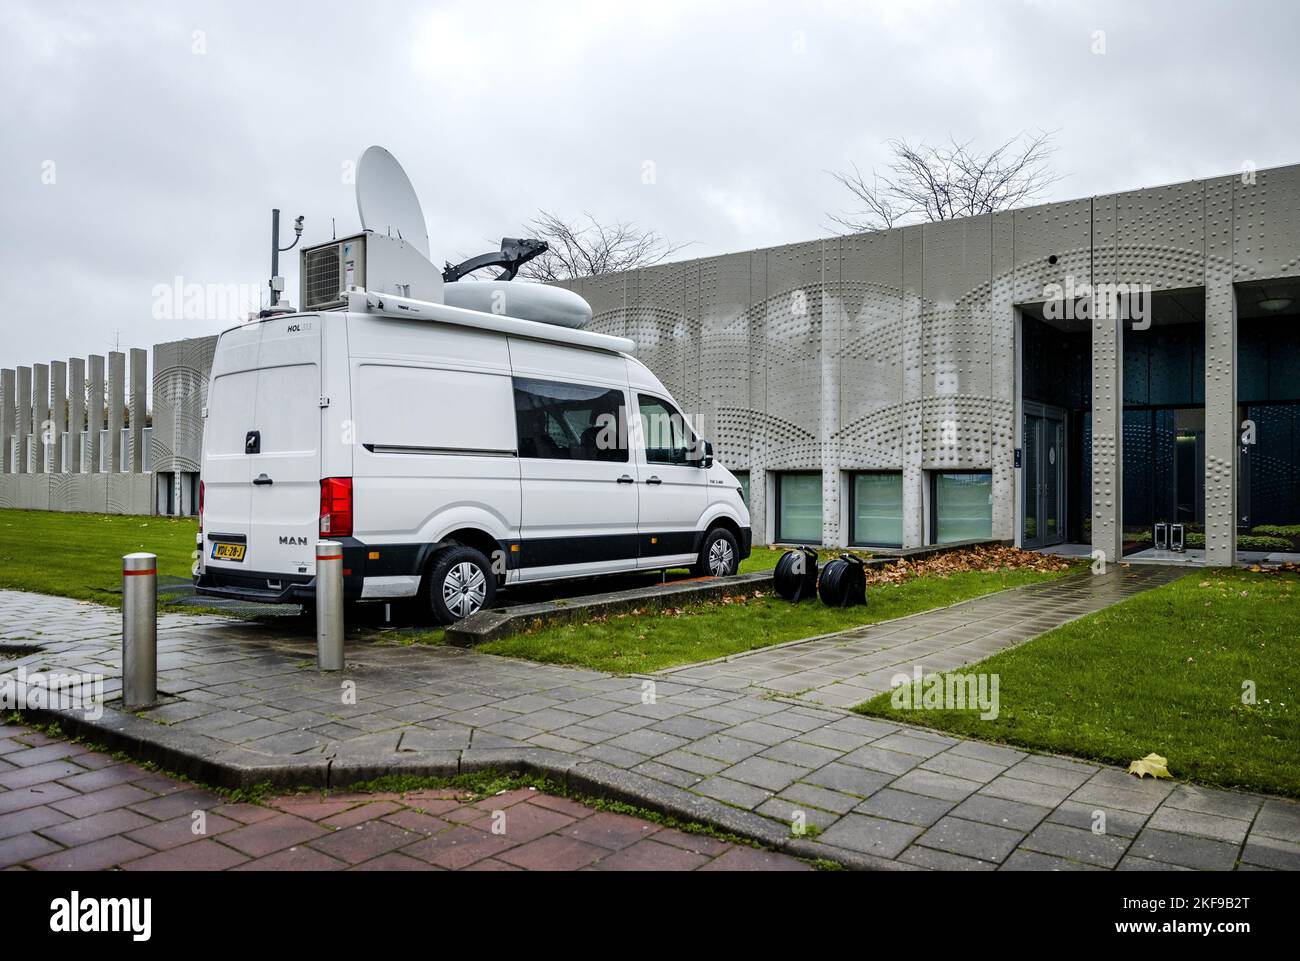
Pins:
x,y
362,301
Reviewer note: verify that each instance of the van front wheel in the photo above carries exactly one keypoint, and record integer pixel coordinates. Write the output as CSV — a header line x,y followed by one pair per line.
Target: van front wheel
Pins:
x,y
460,583
719,555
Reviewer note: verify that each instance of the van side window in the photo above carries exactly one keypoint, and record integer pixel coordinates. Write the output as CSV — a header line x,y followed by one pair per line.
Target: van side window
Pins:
x,y
668,439
561,421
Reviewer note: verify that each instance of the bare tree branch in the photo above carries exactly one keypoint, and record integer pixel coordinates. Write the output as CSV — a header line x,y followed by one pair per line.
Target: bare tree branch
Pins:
x,y
932,183
589,247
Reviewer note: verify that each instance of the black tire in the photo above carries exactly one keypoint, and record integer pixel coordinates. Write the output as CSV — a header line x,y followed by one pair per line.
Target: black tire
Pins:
x,y
843,583
459,583
789,581
719,555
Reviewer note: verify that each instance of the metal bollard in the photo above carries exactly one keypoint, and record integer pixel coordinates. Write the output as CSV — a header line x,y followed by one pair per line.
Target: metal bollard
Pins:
x,y
139,631
329,606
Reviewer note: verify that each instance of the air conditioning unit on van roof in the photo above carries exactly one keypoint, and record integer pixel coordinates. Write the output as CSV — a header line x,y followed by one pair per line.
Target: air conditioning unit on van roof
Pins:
x,y
373,261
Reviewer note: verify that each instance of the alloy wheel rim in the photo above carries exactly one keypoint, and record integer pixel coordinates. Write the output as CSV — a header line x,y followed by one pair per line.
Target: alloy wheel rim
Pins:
x,y
464,589
720,558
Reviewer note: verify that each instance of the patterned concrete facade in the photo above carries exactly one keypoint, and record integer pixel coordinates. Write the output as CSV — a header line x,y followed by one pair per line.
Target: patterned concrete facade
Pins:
x,y
898,350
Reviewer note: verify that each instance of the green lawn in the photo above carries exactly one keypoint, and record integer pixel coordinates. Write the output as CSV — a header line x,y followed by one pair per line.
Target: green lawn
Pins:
x,y
1162,672
637,643
80,555
765,558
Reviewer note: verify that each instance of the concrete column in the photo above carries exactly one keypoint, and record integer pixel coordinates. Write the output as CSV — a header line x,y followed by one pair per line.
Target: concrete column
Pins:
x,y
1108,437
76,412
8,416
24,424
139,401
95,411
914,530
116,403
40,416
1222,429
829,358
58,413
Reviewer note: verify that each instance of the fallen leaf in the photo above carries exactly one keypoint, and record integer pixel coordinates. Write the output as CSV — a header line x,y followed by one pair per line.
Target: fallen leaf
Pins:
x,y
1152,764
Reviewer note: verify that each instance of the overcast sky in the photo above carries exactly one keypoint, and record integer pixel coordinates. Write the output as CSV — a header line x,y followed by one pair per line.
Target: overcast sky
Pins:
x,y
142,142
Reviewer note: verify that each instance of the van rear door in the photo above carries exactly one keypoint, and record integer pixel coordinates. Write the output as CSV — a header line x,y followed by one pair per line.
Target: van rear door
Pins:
x,y
285,467
227,492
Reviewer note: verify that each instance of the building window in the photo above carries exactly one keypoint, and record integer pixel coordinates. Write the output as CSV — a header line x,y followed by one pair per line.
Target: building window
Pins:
x,y
561,421
799,508
742,477
961,506
876,509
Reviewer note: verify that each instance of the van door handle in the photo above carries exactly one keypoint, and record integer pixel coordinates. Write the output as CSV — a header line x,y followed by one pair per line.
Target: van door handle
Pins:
x,y
653,480
261,480
625,479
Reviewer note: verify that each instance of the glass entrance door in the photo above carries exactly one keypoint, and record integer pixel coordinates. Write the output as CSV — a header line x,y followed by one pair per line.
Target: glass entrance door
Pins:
x,y
1043,475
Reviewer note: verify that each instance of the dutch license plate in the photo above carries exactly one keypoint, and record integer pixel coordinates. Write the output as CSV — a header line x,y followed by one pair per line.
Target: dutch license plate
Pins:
x,y
228,552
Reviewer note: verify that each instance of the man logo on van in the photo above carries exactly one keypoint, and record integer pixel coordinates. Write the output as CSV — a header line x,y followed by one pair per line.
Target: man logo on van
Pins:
x,y
297,541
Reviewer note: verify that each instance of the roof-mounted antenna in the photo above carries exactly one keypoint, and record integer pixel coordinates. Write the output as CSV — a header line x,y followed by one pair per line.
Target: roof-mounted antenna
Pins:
x,y
386,200
514,253
277,282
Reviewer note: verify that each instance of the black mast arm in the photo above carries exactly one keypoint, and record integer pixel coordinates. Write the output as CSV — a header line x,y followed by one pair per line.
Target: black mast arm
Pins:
x,y
514,253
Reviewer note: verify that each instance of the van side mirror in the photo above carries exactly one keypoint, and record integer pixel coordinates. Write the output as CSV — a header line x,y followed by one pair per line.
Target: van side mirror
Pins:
x,y
706,461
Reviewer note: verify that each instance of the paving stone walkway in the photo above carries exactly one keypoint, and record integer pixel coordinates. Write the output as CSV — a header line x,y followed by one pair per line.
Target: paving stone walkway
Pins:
x,y
70,808
842,670
883,794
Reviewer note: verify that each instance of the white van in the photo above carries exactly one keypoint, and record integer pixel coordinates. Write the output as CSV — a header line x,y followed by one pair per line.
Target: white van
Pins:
x,y
451,451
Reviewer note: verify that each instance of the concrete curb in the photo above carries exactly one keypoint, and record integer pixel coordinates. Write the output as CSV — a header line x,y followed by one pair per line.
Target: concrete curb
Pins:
x,y
497,623
235,768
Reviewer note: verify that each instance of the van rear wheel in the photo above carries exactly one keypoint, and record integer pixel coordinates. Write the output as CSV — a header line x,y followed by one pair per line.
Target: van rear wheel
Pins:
x,y
719,555
460,582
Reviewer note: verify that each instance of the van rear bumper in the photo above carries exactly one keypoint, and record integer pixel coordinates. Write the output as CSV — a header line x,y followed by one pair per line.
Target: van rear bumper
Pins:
x,y
259,587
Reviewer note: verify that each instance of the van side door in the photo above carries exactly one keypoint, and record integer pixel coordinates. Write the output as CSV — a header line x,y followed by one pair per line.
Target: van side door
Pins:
x,y
579,493
674,488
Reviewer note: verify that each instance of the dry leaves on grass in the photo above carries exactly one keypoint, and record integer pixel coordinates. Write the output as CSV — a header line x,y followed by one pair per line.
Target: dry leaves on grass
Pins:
x,y
988,558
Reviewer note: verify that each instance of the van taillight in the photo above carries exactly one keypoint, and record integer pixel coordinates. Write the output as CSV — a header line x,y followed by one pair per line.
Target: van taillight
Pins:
x,y
336,506
200,507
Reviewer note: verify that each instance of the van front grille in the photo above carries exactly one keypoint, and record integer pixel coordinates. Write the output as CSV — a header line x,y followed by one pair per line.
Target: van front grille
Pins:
x,y
322,288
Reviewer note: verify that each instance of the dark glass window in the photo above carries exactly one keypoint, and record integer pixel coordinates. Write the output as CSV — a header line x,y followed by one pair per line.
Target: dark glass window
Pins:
x,y
799,508
963,506
668,438
561,421
743,477
876,509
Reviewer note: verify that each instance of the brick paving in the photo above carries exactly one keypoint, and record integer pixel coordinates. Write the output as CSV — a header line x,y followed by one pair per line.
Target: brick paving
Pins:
x,y
845,669
125,817
883,794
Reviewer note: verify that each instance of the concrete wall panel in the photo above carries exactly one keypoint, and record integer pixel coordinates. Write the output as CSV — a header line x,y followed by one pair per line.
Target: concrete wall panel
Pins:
x,y
1160,236
1266,229
870,395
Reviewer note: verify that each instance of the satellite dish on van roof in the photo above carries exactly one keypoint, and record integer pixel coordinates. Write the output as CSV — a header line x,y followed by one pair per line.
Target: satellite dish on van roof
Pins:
x,y
386,201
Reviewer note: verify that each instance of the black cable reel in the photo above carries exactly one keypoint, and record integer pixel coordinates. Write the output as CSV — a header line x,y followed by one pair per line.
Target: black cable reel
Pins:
x,y
795,577
843,582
